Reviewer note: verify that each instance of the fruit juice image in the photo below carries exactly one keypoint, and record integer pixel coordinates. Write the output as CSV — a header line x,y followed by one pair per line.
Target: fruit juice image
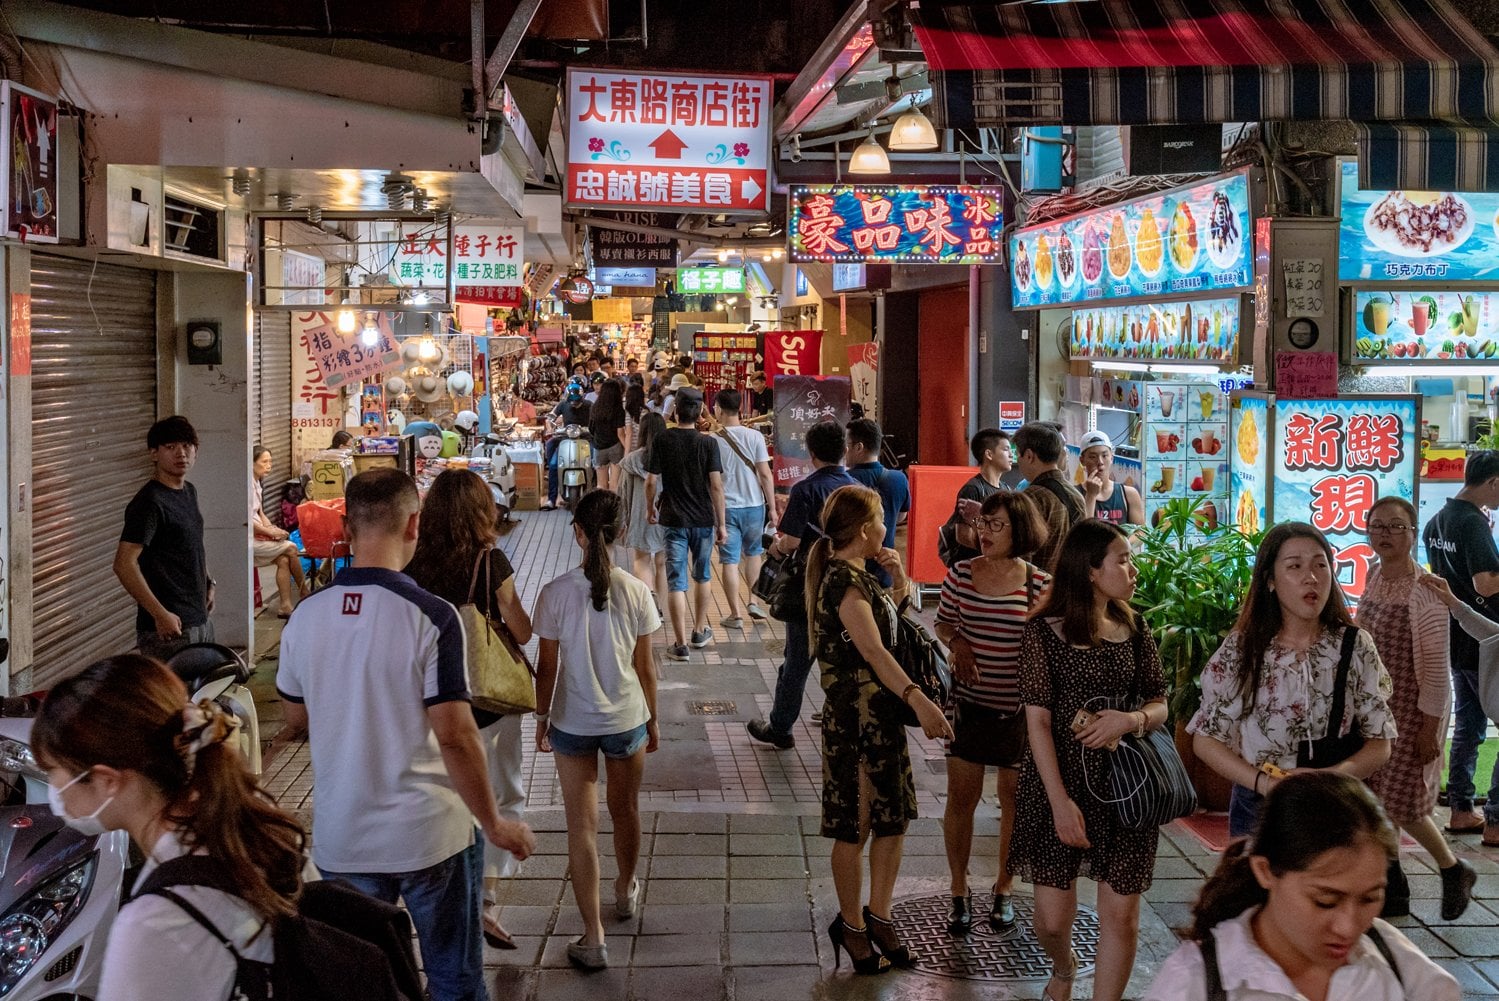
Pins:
x,y
1378,317
1168,401
1207,400
1419,317
1209,476
1168,478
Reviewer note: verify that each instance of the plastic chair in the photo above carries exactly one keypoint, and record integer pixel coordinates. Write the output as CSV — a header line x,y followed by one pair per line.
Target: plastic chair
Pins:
x,y
321,524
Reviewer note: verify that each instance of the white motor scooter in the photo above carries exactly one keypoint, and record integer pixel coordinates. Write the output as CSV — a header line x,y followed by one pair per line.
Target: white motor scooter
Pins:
x,y
575,472
215,672
491,460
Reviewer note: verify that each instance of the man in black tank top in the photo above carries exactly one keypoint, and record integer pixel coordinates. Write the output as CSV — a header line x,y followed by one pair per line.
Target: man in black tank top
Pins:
x,y
1103,497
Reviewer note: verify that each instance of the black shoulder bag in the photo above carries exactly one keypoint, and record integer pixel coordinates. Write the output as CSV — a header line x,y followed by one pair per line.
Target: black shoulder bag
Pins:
x,y
1333,749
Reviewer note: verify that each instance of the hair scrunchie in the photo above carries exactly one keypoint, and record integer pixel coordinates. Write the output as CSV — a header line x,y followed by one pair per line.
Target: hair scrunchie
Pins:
x,y
203,724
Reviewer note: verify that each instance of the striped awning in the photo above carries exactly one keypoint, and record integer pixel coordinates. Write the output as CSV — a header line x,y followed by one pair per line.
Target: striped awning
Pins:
x,y
1140,62
1427,158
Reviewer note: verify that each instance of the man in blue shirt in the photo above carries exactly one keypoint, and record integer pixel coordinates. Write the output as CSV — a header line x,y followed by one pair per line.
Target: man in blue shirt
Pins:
x,y
863,460
799,528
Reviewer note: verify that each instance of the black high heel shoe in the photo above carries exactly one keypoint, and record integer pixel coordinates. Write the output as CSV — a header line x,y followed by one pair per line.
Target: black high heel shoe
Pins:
x,y
960,917
882,936
844,937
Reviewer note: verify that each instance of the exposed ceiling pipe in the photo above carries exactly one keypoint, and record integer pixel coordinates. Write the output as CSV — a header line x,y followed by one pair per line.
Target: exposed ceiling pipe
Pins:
x,y
505,48
476,59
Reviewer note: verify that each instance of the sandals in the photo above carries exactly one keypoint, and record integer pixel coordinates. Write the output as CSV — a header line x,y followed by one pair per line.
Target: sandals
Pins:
x,y
1068,979
494,933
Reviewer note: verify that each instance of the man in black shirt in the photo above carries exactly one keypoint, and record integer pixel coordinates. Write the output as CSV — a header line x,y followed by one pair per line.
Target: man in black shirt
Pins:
x,y
567,411
1460,544
160,559
762,399
684,471
958,540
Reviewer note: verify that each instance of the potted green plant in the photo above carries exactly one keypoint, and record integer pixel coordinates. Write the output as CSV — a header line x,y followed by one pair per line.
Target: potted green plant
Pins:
x,y
1193,575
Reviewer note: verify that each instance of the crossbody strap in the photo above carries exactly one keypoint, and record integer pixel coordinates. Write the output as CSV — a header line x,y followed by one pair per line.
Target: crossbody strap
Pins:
x,y
473,580
1212,976
724,434
1389,956
1340,683
199,917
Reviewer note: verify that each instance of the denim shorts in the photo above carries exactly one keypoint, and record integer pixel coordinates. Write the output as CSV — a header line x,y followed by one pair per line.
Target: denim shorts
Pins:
x,y
614,745
746,534
682,542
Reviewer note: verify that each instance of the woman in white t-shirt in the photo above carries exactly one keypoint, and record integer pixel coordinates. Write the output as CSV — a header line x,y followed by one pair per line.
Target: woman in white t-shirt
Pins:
x,y
596,691
124,750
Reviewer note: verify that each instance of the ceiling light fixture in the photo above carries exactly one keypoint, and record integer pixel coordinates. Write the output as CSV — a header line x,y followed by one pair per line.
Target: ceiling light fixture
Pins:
x,y
723,255
869,157
370,336
913,132
347,321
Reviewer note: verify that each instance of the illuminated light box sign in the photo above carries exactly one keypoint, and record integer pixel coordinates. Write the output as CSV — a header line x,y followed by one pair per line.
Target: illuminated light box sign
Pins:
x,y
1191,239
1392,236
627,277
905,223
1200,330
709,281
1426,326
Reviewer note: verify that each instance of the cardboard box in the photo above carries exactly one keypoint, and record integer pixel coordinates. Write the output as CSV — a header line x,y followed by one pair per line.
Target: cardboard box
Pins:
x,y
327,480
528,486
364,463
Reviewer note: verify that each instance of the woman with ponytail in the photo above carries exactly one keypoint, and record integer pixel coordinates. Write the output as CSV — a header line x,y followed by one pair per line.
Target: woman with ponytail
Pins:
x,y
1293,912
868,793
596,691
123,750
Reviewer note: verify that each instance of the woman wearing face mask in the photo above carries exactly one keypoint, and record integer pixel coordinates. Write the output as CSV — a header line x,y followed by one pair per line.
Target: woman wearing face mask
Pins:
x,y
123,750
1292,913
1085,650
1409,624
1270,692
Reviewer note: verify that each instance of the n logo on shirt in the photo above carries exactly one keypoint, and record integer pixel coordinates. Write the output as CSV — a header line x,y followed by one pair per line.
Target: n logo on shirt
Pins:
x,y
352,603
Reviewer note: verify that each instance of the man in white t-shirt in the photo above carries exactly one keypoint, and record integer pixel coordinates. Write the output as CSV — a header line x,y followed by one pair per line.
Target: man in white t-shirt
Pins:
x,y
749,490
374,669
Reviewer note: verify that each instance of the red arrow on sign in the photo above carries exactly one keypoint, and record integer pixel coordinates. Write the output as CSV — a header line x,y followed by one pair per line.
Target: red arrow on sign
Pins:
x,y
668,146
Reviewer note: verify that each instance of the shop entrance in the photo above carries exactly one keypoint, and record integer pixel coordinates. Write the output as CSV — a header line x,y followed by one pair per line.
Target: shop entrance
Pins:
x,y
942,380
93,399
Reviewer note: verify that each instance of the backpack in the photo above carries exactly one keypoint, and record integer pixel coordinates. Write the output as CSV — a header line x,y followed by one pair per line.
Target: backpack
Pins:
x,y
341,944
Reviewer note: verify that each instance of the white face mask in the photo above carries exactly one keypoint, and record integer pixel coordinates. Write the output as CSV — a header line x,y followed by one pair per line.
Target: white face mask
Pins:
x,y
90,826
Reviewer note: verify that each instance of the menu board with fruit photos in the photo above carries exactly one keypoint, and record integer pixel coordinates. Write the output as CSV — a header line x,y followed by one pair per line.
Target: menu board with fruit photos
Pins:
x,y
1426,325
1184,444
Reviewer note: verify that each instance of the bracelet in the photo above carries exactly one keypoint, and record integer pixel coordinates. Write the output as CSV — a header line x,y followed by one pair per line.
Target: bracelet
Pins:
x,y
542,716
1144,721
906,694
1257,776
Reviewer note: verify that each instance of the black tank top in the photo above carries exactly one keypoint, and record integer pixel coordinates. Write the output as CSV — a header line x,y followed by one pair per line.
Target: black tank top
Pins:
x,y
1114,509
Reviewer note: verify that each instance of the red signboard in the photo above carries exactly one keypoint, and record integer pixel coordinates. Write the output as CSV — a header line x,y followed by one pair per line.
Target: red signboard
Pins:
x,y
793,352
912,223
20,333
678,141
493,296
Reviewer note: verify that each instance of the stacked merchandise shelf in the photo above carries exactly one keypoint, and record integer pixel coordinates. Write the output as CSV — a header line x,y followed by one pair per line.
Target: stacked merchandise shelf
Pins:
x,y
724,361
506,355
542,378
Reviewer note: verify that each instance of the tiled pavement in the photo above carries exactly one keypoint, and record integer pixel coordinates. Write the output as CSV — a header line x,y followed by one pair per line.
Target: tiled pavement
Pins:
x,y
737,888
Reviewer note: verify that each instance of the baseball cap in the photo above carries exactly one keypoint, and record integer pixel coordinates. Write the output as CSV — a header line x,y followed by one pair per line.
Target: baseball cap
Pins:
x,y
1093,439
660,365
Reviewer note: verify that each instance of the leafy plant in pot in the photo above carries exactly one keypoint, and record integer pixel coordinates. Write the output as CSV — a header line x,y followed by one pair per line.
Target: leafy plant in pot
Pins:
x,y
1193,575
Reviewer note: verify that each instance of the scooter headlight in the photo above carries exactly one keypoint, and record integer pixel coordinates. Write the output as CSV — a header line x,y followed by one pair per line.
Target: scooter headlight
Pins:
x,y
17,757
33,924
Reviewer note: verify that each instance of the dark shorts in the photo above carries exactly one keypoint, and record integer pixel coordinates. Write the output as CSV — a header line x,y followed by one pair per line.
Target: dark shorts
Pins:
x,y
614,745
985,736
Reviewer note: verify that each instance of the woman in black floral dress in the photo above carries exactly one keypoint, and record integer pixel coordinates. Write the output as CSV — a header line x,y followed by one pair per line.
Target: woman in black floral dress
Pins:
x,y
867,788
1085,650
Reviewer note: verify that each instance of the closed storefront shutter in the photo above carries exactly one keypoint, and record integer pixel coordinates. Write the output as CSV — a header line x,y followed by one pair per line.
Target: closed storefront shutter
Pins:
x,y
93,400
270,401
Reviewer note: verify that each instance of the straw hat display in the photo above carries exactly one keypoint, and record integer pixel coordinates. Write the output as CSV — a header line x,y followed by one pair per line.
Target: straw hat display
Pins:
x,y
395,385
460,383
428,388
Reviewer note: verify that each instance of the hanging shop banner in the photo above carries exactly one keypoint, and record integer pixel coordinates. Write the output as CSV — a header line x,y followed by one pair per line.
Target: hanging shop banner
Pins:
x,y
1416,235
420,258
710,281
793,352
1333,459
354,357
489,255
1199,330
802,401
31,162
864,370
1426,326
905,223
20,334
628,277
687,142
491,296
618,246
1249,468
1192,239
315,407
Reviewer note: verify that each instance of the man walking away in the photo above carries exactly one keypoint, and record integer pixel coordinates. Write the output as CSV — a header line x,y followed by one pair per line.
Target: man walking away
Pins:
x,y
1040,448
991,450
1460,545
749,492
684,472
160,559
801,524
373,667
863,458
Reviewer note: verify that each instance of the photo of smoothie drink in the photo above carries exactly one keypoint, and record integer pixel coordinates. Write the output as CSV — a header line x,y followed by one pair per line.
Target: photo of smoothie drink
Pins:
x,y
1168,401
1209,476
1378,316
1209,441
1420,316
1163,443
1168,479
1207,401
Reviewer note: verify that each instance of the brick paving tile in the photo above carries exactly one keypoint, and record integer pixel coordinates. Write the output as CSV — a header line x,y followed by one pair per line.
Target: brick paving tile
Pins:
x,y
700,983
677,919
770,948
770,917
678,950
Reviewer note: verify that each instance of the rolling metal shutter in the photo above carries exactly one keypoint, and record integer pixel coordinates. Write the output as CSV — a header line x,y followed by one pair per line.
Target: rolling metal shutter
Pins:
x,y
270,401
93,393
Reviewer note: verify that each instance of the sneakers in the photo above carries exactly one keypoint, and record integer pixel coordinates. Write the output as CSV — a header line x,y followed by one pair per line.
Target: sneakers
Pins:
x,y
756,612
732,622
588,957
624,907
1457,889
678,651
702,639
761,731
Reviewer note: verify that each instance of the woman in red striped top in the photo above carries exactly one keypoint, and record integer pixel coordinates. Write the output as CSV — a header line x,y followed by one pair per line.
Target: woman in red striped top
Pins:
x,y
985,603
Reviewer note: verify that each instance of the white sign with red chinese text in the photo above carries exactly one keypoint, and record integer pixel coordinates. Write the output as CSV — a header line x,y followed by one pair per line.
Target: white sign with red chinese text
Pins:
x,y
316,408
668,140
488,255
345,358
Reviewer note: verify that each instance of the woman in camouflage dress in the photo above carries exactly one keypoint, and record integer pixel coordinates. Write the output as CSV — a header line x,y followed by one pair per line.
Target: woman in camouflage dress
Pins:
x,y
866,773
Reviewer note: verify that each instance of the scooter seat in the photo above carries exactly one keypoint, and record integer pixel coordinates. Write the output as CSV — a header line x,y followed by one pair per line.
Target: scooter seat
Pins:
x,y
200,663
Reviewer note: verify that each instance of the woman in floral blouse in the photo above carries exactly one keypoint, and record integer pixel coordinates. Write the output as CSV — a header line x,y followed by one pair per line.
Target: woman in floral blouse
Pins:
x,y
1267,693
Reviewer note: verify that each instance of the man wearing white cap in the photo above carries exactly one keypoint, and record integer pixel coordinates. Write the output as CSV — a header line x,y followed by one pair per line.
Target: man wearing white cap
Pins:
x,y
1116,503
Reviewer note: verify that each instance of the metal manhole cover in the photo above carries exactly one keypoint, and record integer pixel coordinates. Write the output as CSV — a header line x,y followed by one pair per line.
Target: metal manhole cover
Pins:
x,y
712,707
981,954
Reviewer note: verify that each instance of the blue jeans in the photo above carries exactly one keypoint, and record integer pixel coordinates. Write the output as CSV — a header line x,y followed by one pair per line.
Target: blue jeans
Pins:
x,y
552,444
443,901
682,543
791,679
1470,721
746,534
1243,811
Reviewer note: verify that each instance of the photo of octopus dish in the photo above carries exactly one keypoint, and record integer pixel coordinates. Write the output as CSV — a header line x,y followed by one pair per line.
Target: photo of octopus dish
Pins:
x,y
1419,223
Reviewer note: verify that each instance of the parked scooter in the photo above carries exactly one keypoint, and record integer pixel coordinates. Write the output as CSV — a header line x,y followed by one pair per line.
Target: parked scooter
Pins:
x,y
491,460
215,672
575,472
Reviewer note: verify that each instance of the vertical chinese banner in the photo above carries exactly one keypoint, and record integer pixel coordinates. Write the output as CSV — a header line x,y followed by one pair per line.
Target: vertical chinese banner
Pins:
x,y
1335,459
800,402
316,408
1249,463
793,352
864,372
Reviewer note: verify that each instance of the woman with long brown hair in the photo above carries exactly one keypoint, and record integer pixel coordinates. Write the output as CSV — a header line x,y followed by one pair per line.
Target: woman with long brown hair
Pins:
x,y
868,793
607,421
124,750
456,559
645,540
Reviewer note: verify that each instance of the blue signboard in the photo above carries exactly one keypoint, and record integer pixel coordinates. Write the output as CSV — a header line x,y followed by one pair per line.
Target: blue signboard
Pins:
x,y
1392,236
906,223
1192,239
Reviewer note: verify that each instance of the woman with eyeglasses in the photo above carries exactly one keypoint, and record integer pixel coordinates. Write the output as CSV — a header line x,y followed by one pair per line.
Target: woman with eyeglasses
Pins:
x,y
982,615
1410,629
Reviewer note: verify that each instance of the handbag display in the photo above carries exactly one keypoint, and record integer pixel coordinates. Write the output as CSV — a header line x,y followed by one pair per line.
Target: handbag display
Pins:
x,y
500,678
1332,749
